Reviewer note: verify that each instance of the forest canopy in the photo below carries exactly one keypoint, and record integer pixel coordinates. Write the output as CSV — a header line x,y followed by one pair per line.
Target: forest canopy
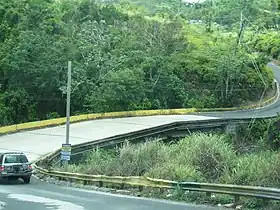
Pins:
x,y
125,56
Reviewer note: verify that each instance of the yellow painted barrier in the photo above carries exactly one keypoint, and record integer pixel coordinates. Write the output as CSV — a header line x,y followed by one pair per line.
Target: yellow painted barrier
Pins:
x,y
141,181
144,113
40,124
8,129
78,118
84,117
140,113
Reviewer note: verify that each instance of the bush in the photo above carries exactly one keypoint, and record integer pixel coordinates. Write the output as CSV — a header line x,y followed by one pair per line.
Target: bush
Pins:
x,y
136,160
261,169
209,153
252,138
99,161
177,172
199,157
274,134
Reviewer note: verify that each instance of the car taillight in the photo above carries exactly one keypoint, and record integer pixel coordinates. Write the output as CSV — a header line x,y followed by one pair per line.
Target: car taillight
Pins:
x,y
2,168
30,167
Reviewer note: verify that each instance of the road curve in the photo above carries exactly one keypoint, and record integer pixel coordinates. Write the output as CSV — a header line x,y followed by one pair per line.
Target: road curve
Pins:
x,y
39,195
269,111
42,196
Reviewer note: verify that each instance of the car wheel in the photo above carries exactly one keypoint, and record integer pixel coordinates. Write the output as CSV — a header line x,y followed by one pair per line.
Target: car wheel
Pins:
x,y
26,179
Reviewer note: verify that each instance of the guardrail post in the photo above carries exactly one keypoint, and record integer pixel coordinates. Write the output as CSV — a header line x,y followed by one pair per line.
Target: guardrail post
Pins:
x,y
100,184
231,129
236,200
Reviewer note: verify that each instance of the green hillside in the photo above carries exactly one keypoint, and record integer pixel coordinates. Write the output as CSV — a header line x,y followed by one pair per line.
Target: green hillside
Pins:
x,y
124,56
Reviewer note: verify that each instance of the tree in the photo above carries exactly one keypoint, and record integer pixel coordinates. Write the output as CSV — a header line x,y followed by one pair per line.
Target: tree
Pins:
x,y
125,57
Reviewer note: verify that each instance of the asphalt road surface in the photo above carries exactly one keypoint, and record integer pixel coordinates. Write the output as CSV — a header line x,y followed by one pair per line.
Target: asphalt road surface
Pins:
x,y
40,195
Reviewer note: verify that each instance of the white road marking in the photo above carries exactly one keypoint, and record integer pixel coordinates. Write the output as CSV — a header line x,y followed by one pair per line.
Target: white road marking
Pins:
x,y
51,203
2,205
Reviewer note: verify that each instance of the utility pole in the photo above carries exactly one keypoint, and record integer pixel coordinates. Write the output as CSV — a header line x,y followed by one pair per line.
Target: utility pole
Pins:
x,y
210,17
241,31
242,26
66,148
68,102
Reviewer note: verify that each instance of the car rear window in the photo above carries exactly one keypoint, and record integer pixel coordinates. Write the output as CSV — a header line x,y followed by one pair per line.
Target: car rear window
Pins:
x,y
15,158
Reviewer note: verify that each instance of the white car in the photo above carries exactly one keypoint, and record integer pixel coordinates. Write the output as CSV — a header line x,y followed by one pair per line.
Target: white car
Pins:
x,y
15,165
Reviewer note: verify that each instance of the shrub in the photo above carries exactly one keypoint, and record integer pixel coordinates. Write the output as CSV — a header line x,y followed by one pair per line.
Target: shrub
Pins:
x,y
274,172
274,134
252,137
137,159
174,171
254,169
99,161
196,158
209,153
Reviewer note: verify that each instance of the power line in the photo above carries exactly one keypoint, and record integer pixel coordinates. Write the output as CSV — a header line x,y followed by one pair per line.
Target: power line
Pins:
x,y
259,73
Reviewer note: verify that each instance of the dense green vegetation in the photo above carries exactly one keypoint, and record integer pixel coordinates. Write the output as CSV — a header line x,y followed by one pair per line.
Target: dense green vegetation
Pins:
x,y
250,159
144,54
254,13
126,56
268,43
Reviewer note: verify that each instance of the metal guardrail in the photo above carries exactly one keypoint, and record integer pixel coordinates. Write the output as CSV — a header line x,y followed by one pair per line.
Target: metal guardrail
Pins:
x,y
42,166
140,182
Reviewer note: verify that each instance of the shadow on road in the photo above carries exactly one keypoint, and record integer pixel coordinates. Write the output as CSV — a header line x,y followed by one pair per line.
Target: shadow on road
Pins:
x,y
11,182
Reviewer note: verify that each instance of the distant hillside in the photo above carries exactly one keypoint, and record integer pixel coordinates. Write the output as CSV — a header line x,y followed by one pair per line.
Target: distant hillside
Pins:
x,y
123,59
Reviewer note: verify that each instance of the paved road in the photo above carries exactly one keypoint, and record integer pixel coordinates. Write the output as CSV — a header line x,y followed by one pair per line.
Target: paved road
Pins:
x,y
39,142
40,196
262,112
43,196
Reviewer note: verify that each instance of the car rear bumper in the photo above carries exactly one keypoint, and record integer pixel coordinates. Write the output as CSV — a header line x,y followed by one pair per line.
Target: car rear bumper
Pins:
x,y
19,174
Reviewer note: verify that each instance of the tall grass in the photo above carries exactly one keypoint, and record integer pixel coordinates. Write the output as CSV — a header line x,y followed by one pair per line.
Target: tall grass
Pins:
x,y
261,169
198,158
210,154
136,160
